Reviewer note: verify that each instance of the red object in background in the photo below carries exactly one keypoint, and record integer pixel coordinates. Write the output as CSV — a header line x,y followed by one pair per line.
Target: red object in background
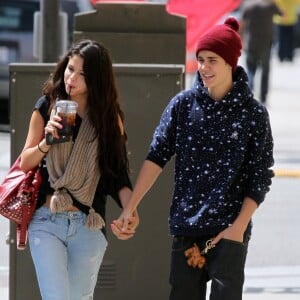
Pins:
x,y
200,15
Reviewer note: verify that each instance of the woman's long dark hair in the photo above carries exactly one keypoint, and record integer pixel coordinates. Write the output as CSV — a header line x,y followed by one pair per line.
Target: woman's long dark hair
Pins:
x,y
103,108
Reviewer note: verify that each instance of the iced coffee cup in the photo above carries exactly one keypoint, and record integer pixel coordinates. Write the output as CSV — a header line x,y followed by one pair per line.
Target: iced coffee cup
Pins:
x,y
66,110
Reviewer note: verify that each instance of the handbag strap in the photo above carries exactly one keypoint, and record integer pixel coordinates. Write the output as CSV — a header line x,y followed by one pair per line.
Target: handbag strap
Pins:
x,y
22,231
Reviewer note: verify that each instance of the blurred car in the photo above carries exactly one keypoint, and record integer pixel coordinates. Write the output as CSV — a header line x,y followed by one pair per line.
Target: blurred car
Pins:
x,y
16,39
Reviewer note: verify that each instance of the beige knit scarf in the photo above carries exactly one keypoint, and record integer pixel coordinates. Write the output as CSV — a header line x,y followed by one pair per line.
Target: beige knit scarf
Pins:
x,y
74,168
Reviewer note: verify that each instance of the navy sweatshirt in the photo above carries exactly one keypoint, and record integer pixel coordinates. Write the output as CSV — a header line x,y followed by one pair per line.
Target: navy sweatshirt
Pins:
x,y
223,153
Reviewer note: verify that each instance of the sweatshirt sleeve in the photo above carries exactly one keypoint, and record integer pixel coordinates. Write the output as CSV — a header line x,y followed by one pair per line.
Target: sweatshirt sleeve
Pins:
x,y
260,157
162,147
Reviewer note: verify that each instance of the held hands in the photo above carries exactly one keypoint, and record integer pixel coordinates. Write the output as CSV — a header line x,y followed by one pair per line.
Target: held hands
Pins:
x,y
124,227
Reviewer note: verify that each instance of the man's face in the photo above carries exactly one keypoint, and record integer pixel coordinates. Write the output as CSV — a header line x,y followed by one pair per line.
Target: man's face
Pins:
x,y
215,72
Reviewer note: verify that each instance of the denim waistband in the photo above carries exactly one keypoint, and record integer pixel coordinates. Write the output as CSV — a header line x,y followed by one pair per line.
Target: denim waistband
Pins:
x,y
71,215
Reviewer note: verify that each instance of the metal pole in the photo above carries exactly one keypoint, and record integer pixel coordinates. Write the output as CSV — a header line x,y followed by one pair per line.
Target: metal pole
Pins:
x,y
49,30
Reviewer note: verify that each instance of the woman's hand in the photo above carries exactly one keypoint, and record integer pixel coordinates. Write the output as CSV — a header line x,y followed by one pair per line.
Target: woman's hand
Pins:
x,y
52,125
124,227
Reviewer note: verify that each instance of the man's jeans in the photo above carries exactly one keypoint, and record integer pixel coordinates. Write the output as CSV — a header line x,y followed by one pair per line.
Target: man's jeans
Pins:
x,y
224,266
66,254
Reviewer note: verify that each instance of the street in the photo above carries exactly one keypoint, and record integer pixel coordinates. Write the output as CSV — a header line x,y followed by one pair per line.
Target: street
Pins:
x,y
273,263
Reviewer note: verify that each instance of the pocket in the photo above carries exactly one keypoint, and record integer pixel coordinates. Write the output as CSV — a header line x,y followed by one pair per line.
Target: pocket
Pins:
x,y
41,215
232,242
181,243
229,257
245,242
231,248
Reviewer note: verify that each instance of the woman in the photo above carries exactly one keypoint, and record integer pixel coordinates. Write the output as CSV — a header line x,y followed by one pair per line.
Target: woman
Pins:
x,y
66,235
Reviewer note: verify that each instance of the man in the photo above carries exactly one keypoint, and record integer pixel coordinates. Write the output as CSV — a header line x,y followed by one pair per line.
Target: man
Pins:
x,y
285,28
256,26
222,142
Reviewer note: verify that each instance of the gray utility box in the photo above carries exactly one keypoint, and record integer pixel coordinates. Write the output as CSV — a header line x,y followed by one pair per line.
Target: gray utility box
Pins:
x,y
135,269
135,33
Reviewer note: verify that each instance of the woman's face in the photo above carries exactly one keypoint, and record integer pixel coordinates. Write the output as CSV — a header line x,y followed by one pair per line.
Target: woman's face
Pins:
x,y
74,79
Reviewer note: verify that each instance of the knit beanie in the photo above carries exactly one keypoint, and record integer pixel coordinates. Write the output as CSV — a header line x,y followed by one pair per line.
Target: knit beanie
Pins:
x,y
223,40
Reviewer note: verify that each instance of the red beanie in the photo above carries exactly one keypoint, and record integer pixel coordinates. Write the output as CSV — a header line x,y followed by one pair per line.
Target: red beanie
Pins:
x,y
223,40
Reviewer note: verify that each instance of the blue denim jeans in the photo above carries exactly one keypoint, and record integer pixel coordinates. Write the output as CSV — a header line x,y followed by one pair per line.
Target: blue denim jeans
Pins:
x,y
224,266
66,255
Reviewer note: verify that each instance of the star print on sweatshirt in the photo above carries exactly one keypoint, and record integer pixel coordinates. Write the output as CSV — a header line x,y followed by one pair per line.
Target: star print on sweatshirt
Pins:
x,y
223,152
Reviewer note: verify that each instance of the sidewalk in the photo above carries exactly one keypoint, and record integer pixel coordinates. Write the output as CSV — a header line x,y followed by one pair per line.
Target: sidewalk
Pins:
x,y
272,283
284,109
265,281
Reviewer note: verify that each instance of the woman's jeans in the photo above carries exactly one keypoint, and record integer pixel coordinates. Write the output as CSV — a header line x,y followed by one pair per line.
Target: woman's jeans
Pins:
x,y
225,264
67,255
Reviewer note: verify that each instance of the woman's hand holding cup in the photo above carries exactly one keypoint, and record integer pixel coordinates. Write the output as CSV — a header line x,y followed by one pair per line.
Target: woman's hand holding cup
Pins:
x,y
62,121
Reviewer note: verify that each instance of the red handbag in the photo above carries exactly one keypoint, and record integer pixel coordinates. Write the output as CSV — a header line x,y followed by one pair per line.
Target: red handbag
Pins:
x,y
18,197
